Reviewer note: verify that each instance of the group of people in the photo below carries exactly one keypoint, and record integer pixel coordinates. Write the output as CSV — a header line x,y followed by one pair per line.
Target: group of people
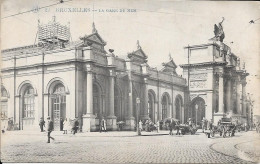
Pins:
x,y
64,126
149,126
206,125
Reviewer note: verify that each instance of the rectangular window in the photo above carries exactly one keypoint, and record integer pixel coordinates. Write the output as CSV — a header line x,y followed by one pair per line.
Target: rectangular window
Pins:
x,y
29,106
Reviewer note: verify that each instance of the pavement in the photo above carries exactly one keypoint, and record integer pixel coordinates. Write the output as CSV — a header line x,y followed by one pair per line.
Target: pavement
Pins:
x,y
128,147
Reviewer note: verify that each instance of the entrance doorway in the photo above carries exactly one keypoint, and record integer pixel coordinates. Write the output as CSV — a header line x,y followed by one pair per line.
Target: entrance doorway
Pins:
x,y
58,99
198,110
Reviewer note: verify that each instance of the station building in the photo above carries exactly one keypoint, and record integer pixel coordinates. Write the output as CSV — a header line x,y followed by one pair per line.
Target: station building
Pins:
x,y
63,79
80,79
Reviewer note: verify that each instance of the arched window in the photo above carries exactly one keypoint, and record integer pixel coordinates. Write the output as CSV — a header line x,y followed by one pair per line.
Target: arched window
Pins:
x,y
151,112
28,103
4,107
164,107
198,110
178,108
58,98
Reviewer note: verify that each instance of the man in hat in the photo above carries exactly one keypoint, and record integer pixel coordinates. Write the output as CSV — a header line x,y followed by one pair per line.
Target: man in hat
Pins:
x,y
42,124
49,128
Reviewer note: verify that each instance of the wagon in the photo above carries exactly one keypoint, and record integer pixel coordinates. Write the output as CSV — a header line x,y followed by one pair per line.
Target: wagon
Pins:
x,y
184,129
224,127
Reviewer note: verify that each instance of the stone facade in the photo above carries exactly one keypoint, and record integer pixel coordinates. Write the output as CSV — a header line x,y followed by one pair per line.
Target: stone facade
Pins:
x,y
81,80
216,83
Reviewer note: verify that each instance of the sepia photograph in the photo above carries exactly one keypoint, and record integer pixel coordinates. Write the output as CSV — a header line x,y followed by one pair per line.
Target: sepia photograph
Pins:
x,y
130,81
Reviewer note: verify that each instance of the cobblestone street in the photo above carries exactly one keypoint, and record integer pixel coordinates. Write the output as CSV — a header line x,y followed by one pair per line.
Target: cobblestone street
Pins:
x,y
127,147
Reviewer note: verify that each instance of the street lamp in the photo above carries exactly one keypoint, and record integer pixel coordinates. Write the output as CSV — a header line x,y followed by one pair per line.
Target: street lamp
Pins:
x,y
137,112
196,109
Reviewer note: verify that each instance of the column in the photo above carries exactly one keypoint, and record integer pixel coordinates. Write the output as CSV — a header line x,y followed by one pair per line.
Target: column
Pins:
x,y
221,94
130,97
89,117
111,93
220,114
244,98
89,92
229,91
238,83
130,120
111,119
145,112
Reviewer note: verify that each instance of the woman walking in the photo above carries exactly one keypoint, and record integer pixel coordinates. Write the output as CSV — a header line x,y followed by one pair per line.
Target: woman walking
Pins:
x,y
66,126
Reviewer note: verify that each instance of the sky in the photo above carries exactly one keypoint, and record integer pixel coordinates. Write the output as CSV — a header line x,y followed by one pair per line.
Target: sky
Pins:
x,y
162,27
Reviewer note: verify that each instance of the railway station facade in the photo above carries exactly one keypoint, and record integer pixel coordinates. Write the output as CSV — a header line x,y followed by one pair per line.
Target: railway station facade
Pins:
x,y
81,80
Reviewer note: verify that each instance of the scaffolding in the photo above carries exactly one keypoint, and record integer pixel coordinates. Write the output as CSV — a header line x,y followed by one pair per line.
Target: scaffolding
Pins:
x,y
53,34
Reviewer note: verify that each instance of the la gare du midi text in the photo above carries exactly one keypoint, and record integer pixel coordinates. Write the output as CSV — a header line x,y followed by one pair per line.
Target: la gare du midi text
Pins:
x,y
90,10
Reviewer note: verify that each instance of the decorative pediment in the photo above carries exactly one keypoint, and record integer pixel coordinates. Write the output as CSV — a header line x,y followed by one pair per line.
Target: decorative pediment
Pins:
x,y
169,66
138,55
93,38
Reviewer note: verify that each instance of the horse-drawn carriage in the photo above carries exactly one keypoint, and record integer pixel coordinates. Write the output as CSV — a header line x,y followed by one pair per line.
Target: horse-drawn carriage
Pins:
x,y
181,128
224,127
184,129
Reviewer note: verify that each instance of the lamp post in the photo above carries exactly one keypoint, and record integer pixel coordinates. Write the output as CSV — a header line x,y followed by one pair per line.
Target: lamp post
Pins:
x,y
196,109
137,113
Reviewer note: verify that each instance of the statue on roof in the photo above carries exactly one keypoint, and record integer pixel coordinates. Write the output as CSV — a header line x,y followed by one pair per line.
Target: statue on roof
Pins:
x,y
244,65
238,62
218,31
170,57
94,30
138,45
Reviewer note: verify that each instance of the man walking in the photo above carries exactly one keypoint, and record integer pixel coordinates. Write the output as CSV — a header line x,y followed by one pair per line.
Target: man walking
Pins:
x,y
171,126
49,129
75,126
41,124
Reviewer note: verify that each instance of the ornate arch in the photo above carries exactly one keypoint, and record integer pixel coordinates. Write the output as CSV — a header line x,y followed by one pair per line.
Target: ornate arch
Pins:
x,y
2,87
178,107
53,82
180,98
150,91
167,95
98,84
151,105
23,86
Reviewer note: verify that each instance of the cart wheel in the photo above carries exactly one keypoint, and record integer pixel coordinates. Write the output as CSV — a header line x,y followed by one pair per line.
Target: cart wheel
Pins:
x,y
212,133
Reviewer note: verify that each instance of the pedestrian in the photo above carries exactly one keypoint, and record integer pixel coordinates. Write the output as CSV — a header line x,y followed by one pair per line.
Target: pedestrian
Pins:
x,y
49,129
61,124
245,126
203,122
178,127
146,125
140,125
75,126
171,127
103,125
158,126
210,124
41,124
66,126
